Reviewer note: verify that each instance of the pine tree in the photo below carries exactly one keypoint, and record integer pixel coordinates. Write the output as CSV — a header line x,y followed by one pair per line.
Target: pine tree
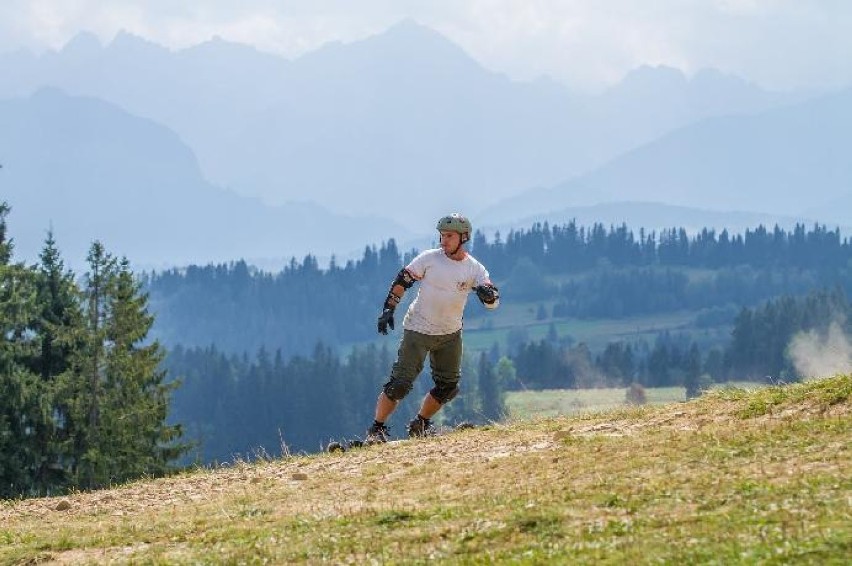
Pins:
x,y
490,390
58,327
692,372
119,398
60,313
5,243
84,383
136,403
21,404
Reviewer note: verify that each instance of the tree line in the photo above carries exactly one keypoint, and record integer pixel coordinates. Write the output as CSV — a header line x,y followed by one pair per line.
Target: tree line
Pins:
x,y
570,248
236,408
759,350
83,398
579,272
240,407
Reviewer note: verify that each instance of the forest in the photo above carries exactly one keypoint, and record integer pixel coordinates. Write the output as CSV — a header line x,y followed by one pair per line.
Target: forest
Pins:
x,y
83,394
296,362
569,271
111,375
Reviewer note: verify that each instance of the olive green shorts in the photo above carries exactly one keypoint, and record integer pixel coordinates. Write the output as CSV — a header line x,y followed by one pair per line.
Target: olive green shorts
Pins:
x,y
445,356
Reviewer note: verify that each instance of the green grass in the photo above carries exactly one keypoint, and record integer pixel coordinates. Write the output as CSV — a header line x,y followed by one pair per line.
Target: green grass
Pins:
x,y
481,333
554,402
737,476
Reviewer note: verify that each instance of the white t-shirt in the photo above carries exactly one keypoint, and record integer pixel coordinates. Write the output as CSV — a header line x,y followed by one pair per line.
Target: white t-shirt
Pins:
x,y
444,286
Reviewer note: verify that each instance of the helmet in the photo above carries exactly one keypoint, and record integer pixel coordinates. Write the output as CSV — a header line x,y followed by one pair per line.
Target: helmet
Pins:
x,y
455,222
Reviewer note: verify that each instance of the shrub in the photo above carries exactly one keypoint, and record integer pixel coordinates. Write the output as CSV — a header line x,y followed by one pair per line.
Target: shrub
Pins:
x,y
635,394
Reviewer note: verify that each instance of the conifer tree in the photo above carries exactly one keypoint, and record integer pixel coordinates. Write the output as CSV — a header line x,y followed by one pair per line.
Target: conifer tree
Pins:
x,y
58,326
137,398
21,409
692,372
84,383
119,400
490,390
5,243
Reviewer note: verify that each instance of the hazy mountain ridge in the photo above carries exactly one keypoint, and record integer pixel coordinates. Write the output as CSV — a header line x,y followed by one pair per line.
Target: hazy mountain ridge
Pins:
x,y
89,170
787,161
401,113
403,125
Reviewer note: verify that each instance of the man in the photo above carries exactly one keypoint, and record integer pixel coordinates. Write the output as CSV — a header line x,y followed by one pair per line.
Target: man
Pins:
x,y
432,324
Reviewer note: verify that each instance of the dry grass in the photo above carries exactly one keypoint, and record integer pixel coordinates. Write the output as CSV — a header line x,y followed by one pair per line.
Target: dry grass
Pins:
x,y
734,477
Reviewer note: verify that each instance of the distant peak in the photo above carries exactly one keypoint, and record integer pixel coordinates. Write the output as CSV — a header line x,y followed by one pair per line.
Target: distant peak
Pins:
x,y
126,40
410,25
83,42
406,40
218,43
411,30
408,35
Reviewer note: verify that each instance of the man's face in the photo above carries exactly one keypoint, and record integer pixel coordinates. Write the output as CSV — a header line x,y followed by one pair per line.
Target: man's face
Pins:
x,y
450,241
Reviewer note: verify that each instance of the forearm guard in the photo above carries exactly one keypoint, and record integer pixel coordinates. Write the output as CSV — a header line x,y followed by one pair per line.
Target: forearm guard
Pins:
x,y
403,279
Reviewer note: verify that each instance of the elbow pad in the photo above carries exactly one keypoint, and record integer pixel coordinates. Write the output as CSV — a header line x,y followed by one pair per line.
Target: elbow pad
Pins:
x,y
403,279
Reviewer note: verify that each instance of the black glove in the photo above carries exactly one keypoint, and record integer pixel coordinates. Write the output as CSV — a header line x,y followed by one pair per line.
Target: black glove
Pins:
x,y
385,320
487,293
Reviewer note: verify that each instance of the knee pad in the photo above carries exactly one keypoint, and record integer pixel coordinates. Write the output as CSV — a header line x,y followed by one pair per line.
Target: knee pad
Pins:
x,y
444,393
397,389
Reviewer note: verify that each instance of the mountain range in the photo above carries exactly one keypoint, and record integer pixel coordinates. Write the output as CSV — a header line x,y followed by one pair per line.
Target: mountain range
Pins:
x,y
85,170
356,143
786,161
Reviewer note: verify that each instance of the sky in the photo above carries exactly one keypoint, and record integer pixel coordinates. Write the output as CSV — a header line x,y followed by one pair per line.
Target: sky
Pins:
x,y
585,44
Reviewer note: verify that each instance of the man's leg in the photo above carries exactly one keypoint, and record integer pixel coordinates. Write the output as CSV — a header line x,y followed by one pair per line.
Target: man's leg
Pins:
x,y
429,406
445,362
409,363
384,407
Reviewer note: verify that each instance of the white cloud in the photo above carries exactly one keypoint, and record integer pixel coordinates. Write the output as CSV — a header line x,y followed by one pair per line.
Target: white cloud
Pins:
x,y
587,43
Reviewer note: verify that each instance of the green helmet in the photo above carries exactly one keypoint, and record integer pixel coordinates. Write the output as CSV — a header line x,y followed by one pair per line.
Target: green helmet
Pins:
x,y
455,222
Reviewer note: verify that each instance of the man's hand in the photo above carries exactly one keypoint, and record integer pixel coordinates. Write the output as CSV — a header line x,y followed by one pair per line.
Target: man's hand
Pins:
x,y
385,320
487,294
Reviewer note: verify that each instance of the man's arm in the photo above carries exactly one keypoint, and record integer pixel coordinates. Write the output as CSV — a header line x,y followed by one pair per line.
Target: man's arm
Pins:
x,y
404,280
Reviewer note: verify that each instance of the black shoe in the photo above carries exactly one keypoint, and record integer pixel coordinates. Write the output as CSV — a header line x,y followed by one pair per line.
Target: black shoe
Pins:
x,y
377,433
420,427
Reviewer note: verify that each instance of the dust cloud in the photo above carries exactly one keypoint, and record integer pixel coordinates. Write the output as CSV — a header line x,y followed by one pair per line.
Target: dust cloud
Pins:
x,y
816,354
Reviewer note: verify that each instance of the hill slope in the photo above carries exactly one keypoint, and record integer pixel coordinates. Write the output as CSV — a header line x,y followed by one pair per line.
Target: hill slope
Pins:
x,y
733,477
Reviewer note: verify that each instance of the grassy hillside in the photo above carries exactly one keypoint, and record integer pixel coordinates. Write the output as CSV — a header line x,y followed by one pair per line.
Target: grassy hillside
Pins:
x,y
737,476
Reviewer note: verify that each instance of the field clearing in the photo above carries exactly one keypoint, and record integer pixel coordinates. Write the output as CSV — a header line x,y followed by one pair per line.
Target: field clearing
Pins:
x,y
596,333
734,477
556,402
569,402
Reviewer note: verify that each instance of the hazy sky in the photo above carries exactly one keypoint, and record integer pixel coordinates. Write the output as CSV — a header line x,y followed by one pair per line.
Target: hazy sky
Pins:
x,y
587,44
